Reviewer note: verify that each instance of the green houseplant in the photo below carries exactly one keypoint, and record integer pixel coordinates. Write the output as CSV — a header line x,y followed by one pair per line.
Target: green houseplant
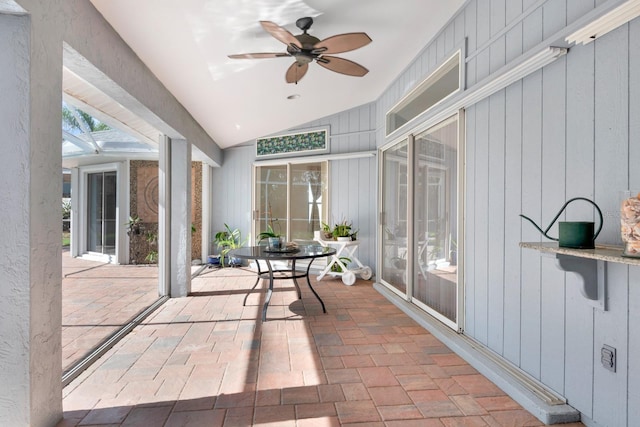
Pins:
x,y
152,239
268,233
134,225
275,239
336,268
229,239
327,231
342,231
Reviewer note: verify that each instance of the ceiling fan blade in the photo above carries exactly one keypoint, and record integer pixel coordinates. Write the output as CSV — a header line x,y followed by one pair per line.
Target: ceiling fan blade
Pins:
x,y
342,43
258,55
296,72
280,33
342,66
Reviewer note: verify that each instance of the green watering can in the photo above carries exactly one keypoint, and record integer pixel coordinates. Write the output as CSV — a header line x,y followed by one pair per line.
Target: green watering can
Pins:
x,y
573,234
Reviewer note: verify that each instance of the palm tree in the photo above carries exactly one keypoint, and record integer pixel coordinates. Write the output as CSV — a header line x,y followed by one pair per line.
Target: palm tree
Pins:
x,y
70,122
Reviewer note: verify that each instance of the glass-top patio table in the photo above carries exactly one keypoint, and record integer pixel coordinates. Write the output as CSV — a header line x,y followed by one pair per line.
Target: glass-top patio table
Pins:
x,y
263,253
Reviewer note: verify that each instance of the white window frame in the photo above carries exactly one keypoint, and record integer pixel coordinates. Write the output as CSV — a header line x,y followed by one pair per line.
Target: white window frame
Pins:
x,y
79,208
287,163
458,325
430,81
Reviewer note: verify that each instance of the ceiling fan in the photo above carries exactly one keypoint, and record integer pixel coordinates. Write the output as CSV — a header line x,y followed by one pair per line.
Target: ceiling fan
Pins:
x,y
305,48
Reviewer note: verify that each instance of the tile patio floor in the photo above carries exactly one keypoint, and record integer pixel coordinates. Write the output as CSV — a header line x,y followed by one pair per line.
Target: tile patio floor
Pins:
x,y
206,360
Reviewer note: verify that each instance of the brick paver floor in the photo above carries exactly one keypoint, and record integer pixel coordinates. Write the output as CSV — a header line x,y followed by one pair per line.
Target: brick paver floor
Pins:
x,y
206,360
97,299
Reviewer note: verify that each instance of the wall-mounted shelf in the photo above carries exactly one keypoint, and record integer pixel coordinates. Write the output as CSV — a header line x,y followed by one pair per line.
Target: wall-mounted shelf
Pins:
x,y
601,253
589,264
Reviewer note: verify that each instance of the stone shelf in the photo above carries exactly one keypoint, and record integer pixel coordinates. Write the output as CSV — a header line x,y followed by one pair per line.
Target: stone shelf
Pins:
x,y
589,264
600,253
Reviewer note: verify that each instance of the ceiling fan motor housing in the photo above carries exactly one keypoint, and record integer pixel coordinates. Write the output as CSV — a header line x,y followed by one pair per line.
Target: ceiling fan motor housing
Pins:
x,y
306,54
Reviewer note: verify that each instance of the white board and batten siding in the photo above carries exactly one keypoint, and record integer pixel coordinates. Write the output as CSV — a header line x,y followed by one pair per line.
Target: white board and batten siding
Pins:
x,y
570,129
231,192
352,182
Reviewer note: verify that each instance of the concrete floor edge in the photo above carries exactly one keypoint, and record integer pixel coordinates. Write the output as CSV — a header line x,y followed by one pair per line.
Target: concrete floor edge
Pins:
x,y
548,414
589,422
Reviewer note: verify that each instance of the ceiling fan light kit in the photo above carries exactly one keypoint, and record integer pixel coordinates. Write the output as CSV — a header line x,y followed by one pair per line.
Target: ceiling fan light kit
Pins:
x,y
305,48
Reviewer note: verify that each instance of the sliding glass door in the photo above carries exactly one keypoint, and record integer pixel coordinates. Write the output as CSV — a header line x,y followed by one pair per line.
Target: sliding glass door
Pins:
x,y
420,219
393,268
271,188
436,213
291,198
101,212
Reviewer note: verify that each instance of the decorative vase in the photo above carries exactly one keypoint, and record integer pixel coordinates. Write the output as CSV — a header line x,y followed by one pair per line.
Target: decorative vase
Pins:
x,y
630,223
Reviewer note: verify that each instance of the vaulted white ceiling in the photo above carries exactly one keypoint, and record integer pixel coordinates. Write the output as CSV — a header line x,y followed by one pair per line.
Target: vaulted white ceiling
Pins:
x,y
185,44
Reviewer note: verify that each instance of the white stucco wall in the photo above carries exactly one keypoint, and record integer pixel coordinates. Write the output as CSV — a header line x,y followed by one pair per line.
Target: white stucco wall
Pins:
x,y
14,316
30,250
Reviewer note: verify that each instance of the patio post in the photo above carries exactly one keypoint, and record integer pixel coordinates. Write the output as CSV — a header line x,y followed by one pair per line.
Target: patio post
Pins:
x,y
175,167
31,187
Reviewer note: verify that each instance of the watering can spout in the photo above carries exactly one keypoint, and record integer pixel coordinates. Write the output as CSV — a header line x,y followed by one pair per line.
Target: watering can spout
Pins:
x,y
544,232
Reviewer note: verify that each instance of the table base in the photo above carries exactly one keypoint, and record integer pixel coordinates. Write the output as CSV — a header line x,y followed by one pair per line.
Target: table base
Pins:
x,y
286,274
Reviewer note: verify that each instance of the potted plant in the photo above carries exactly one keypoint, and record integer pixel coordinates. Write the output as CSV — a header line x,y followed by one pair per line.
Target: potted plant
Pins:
x,y
227,240
275,240
336,268
152,239
327,232
134,225
342,231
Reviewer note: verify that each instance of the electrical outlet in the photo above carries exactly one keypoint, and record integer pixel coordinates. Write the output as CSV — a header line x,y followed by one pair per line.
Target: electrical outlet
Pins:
x,y
608,357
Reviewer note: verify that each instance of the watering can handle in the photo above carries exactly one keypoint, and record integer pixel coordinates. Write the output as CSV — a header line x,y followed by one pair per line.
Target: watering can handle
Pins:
x,y
586,200
560,213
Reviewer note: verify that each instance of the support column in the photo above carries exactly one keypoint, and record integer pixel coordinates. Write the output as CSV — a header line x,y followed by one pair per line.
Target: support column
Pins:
x,y
31,188
74,247
164,215
175,215
206,212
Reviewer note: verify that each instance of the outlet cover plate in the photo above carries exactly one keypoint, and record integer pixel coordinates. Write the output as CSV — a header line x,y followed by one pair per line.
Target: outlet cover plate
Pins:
x,y
608,357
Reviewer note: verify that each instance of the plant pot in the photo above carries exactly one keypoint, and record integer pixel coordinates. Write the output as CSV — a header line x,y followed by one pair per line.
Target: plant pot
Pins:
x,y
344,239
213,259
235,262
276,243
